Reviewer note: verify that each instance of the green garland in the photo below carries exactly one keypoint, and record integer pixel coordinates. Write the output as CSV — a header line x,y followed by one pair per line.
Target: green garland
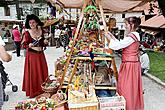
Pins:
x,y
89,8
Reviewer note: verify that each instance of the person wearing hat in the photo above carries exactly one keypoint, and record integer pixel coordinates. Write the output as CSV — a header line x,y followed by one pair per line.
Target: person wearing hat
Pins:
x,y
17,39
35,68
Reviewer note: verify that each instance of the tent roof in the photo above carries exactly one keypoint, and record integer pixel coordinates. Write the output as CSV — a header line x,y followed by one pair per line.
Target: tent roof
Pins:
x,y
157,21
50,22
113,5
146,8
10,20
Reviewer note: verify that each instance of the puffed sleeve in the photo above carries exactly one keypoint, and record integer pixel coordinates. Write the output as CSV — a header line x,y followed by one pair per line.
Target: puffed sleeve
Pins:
x,y
115,44
26,40
41,42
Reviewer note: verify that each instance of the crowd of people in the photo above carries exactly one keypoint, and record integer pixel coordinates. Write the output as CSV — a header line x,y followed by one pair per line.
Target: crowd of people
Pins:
x,y
153,43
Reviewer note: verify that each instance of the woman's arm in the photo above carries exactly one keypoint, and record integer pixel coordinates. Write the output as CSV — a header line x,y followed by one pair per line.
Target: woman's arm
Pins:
x,y
4,55
109,36
25,40
116,44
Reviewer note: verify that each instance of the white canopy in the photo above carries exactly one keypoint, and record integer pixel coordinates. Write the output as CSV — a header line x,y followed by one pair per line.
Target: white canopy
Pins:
x,y
113,5
10,20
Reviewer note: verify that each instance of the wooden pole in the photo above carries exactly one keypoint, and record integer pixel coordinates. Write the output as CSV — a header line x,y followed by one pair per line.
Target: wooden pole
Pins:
x,y
74,41
17,9
73,71
106,31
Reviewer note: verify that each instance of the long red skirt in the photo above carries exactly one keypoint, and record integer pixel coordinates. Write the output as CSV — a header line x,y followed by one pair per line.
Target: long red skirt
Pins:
x,y
130,85
35,73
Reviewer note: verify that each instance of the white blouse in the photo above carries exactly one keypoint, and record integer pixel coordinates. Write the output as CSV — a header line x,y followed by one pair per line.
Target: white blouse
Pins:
x,y
115,44
145,62
2,43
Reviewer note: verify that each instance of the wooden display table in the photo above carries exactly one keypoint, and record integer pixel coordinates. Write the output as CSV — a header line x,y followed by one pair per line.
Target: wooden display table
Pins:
x,y
105,87
95,58
77,101
85,58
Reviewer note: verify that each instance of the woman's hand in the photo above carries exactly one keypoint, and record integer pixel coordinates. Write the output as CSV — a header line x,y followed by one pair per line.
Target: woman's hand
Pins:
x,y
4,55
31,45
46,41
109,35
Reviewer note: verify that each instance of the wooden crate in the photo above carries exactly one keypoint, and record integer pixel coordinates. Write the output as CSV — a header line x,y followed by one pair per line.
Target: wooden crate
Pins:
x,y
63,106
112,103
85,108
80,103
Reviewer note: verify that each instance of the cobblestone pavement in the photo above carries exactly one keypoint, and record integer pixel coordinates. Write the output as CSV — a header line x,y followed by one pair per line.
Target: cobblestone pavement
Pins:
x,y
154,97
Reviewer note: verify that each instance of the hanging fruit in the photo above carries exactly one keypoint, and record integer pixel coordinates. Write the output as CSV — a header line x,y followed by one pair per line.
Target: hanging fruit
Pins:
x,y
43,108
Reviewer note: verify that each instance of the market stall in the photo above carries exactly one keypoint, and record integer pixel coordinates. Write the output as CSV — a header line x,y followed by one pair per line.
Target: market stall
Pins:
x,y
85,77
82,54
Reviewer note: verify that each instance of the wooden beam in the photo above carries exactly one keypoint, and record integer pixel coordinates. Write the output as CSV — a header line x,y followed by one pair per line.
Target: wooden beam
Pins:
x,y
74,41
106,30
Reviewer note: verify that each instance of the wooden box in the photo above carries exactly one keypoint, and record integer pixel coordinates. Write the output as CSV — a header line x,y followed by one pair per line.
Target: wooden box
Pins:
x,y
82,103
112,103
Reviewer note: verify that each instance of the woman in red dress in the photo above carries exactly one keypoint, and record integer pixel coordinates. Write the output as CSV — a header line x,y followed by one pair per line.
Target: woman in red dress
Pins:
x,y
129,82
35,69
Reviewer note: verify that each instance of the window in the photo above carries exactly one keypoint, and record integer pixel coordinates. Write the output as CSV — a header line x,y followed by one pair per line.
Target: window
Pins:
x,y
21,11
36,11
123,15
7,11
107,16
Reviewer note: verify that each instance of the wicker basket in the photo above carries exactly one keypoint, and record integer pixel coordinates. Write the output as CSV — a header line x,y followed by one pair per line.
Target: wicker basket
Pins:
x,y
46,95
41,99
59,66
50,81
59,96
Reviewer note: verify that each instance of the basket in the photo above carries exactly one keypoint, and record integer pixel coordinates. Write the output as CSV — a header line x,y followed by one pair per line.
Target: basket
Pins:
x,y
42,98
46,95
50,85
59,96
59,66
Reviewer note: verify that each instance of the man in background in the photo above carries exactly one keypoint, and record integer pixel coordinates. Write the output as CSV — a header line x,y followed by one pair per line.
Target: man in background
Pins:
x,y
145,62
57,36
17,39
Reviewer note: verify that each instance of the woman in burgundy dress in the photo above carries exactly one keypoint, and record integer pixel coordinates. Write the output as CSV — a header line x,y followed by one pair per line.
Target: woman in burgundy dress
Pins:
x,y
35,69
129,82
